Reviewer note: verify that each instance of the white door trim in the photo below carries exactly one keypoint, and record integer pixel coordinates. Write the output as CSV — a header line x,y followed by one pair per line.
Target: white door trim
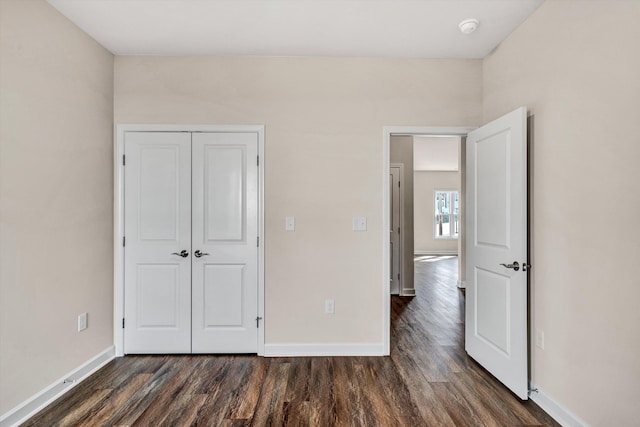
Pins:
x,y
387,131
118,217
401,254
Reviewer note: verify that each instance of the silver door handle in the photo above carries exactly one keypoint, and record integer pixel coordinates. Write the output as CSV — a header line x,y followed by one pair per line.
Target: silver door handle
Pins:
x,y
183,253
515,265
198,254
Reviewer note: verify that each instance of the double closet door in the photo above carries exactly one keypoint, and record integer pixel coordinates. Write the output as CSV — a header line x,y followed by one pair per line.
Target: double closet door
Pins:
x,y
191,230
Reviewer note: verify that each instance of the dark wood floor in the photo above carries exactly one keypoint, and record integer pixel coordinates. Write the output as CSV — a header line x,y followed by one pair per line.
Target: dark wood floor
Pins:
x,y
427,381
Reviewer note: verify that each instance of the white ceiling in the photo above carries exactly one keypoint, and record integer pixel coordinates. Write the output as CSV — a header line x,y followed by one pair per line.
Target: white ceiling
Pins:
x,y
353,28
435,153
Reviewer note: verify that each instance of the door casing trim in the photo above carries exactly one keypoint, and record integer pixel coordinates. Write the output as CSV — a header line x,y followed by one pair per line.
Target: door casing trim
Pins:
x,y
118,216
401,250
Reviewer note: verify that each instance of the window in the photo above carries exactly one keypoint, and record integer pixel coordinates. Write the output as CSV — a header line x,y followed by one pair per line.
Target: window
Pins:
x,y
447,204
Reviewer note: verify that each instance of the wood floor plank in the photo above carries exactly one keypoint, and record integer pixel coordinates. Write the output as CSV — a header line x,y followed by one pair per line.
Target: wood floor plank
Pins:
x,y
161,407
248,395
433,413
488,410
182,411
498,395
427,381
298,384
322,394
270,410
456,405
116,400
144,396
72,417
393,389
221,393
296,413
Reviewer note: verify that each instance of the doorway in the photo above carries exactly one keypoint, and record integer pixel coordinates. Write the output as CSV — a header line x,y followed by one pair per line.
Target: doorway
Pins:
x,y
388,133
495,170
194,194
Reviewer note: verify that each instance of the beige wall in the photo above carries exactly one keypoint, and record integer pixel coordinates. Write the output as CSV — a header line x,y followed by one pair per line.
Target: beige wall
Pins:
x,y
576,65
424,185
56,110
401,152
324,119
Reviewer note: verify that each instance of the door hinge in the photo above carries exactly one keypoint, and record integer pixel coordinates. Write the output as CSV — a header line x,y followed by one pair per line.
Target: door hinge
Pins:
x,y
123,161
257,160
398,276
258,319
398,183
398,230
123,241
123,323
258,241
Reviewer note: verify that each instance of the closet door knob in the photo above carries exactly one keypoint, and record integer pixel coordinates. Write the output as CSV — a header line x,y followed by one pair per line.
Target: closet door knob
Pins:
x,y
199,254
183,253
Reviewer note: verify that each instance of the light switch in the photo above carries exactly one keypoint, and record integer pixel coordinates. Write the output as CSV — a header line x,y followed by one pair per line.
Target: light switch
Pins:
x,y
359,223
290,223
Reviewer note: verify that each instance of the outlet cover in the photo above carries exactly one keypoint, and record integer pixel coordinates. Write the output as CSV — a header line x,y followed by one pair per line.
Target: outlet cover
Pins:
x,y
329,306
290,223
359,223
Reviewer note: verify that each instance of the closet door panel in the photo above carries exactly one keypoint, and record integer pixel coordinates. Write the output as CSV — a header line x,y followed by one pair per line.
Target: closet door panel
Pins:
x,y
157,221
225,231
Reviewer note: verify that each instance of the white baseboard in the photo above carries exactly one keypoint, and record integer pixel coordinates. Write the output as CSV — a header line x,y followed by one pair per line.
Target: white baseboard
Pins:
x,y
408,292
40,400
558,412
462,284
434,253
337,349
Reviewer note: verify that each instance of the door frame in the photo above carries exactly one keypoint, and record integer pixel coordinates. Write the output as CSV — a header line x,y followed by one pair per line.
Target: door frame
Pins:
x,y
400,166
387,132
118,216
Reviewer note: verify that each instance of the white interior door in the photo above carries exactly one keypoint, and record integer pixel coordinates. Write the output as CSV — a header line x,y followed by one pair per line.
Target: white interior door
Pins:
x,y
225,233
395,221
157,228
496,296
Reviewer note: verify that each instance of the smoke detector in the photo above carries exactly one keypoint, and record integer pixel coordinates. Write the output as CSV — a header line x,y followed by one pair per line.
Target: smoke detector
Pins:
x,y
468,26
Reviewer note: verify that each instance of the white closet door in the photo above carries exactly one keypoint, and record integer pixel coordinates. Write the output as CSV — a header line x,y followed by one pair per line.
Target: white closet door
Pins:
x,y
224,241
157,228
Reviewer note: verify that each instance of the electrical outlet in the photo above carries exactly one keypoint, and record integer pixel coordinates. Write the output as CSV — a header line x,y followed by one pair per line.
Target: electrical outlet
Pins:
x,y
82,322
359,223
329,306
540,339
290,223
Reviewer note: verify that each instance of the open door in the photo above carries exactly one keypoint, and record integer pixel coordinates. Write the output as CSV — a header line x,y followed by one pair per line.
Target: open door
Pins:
x,y
496,297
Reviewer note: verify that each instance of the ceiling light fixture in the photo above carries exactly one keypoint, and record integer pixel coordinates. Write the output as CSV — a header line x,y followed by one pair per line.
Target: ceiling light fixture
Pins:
x,y
468,26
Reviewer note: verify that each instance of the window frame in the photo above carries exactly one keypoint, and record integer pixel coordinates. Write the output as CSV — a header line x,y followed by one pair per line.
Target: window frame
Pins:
x,y
452,215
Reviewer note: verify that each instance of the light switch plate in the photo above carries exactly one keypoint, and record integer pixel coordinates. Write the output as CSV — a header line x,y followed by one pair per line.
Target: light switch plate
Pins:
x,y
82,322
329,306
359,223
290,223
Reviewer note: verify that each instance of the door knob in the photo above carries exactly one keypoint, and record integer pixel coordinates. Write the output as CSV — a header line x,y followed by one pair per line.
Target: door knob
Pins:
x,y
183,253
515,265
198,254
